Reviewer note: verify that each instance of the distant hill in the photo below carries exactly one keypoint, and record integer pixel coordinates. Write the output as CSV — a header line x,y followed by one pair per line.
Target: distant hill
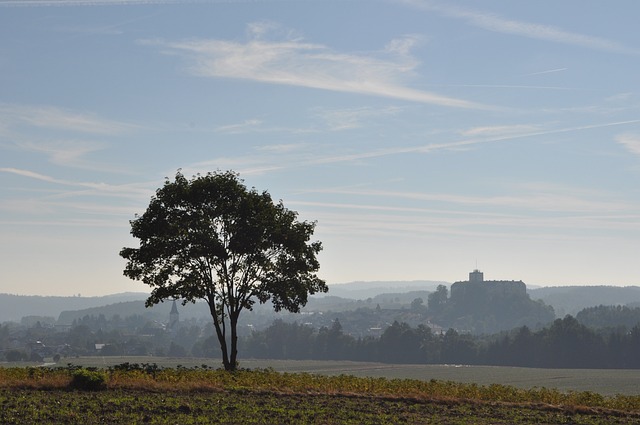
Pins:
x,y
159,312
344,296
384,300
571,299
15,307
122,309
365,290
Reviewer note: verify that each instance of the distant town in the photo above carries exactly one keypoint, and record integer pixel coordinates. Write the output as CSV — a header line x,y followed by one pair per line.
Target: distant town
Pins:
x,y
474,321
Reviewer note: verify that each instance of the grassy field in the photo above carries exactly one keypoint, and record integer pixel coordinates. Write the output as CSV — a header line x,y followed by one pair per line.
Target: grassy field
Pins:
x,y
138,394
602,381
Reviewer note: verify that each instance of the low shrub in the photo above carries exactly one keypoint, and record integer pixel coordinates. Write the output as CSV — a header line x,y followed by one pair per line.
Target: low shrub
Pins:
x,y
88,380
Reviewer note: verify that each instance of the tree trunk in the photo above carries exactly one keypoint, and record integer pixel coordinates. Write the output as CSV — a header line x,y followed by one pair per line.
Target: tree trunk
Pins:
x,y
228,365
234,341
223,348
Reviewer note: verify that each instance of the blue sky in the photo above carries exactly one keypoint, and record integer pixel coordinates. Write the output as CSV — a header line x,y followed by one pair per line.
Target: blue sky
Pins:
x,y
425,137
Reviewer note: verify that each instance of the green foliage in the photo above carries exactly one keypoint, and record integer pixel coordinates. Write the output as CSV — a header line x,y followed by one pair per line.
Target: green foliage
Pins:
x,y
88,380
212,238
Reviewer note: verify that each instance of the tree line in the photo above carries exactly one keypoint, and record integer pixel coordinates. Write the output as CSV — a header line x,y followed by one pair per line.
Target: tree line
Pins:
x,y
598,337
566,343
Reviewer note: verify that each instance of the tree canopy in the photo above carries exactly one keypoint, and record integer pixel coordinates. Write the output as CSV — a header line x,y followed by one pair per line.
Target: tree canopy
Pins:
x,y
212,238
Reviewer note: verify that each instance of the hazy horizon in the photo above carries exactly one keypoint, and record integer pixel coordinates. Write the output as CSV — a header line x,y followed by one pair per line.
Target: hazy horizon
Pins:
x,y
408,284
424,137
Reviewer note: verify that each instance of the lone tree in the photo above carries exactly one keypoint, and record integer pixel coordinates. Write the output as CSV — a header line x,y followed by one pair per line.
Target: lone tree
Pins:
x,y
213,239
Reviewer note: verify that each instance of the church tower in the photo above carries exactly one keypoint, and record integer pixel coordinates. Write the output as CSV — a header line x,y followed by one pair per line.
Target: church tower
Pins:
x,y
174,316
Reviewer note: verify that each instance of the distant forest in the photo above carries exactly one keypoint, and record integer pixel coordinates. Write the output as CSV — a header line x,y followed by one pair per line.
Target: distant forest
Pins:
x,y
566,343
598,337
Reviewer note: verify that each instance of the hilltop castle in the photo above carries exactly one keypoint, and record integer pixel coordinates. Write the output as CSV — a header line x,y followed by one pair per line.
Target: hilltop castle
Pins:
x,y
476,284
489,306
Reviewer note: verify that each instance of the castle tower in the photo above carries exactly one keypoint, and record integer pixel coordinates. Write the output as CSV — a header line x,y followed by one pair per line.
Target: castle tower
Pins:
x,y
174,316
476,276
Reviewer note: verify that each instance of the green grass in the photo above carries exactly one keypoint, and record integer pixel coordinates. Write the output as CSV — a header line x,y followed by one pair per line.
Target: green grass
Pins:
x,y
134,393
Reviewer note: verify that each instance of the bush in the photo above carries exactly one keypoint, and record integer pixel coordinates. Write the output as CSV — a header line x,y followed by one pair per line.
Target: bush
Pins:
x,y
15,356
88,380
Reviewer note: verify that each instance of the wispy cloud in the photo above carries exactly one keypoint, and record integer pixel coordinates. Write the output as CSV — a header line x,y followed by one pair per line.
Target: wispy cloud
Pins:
x,y
260,164
283,148
297,63
496,23
65,136
515,86
501,134
247,125
70,153
378,219
620,97
351,118
499,130
631,142
329,120
51,117
527,200
539,210
125,191
32,175
548,71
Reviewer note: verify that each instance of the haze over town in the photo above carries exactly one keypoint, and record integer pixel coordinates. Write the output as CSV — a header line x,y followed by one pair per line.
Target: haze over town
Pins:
x,y
425,138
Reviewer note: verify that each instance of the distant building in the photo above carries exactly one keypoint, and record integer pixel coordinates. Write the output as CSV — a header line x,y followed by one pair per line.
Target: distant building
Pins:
x,y
470,288
174,316
476,276
488,306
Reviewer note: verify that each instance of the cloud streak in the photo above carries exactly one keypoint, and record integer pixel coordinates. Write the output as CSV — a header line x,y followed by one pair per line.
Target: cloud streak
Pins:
x,y
370,219
631,142
546,201
495,23
301,64
50,117
352,118
63,135
126,191
262,163
549,71
244,127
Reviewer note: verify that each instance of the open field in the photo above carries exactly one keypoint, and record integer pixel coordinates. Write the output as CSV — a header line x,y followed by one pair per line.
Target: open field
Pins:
x,y
602,381
234,407
137,394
